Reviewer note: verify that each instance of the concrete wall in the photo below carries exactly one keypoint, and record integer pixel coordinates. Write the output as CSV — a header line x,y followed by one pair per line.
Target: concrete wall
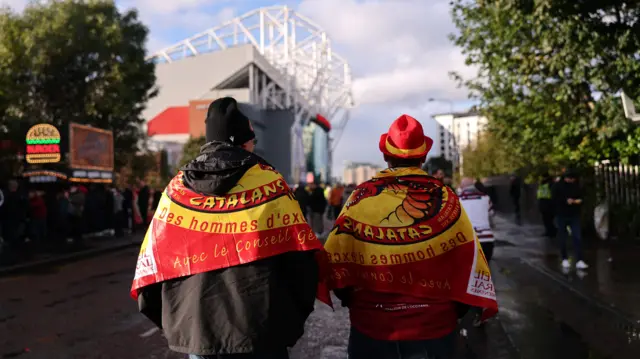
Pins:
x,y
241,95
193,77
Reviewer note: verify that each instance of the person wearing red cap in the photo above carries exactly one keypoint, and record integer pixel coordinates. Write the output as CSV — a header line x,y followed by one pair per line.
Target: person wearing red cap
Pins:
x,y
404,259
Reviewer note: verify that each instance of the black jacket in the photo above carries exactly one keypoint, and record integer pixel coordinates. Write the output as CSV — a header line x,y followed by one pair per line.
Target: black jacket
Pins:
x,y
317,200
561,192
252,308
302,197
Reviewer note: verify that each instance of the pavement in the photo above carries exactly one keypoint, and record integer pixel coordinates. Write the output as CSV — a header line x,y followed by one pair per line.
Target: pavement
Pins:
x,y
81,308
612,278
537,297
92,246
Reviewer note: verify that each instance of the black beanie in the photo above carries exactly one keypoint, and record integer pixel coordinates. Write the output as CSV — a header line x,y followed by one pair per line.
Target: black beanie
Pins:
x,y
226,123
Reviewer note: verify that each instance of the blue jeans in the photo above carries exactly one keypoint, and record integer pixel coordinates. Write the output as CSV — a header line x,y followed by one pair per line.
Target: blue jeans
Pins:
x,y
364,347
282,354
572,222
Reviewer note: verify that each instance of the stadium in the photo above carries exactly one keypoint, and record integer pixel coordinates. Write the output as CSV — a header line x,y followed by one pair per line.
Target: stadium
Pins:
x,y
280,66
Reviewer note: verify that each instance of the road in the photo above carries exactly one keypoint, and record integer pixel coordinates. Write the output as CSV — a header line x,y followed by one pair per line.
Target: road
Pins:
x,y
82,310
79,310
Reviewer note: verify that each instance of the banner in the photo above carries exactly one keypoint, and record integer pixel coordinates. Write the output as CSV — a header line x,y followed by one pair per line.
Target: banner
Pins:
x,y
192,233
404,232
477,206
90,148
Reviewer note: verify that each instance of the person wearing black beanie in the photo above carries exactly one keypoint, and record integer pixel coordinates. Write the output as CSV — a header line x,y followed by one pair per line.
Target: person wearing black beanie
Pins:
x,y
241,289
225,123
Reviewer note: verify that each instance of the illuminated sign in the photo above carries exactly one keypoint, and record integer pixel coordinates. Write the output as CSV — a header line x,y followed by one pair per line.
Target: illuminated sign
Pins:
x,y
91,176
43,144
90,148
45,173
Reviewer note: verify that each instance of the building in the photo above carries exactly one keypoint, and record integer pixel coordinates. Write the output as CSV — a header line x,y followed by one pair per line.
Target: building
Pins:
x,y
443,142
356,173
457,131
282,70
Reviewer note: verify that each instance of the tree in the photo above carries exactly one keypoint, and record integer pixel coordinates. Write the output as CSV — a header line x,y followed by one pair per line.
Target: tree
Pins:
x,y
549,73
78,61
439,163
191,149
137,166
488,157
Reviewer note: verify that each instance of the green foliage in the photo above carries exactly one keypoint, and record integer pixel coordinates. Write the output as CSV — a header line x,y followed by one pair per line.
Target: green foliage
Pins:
x,y
78,61
549,73
191,149
141,164
488,157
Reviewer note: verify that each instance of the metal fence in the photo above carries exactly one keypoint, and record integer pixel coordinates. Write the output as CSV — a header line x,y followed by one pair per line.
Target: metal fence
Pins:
x,y
619,186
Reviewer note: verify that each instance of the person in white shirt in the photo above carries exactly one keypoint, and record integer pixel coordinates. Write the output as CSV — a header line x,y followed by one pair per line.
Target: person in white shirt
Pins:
x,y
477,204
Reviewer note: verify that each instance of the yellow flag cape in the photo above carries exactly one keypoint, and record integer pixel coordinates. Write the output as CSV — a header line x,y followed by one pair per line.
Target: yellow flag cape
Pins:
x,y
405,232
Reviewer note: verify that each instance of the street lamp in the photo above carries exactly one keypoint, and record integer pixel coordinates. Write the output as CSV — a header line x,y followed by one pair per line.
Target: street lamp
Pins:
x,y
443,100
629,108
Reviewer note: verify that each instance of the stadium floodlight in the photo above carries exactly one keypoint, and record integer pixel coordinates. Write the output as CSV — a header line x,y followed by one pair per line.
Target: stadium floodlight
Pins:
x,y
311,79
629,108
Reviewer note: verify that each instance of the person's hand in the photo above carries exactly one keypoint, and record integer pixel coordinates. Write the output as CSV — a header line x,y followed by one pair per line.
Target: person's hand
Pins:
x,y
570,201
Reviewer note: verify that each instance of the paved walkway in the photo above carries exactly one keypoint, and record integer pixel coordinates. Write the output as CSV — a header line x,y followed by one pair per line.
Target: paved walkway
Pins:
x,y
554,313
327,333
613,276
91,246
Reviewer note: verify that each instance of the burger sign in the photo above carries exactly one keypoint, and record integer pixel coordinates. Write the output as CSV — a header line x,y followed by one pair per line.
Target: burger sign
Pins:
x,y
43,144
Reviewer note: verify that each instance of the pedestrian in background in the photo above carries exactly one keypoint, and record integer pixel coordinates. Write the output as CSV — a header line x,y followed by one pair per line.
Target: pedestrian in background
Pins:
x,y
546,205
515,189
61,227
144,196
118,212
302,196
157,194
335,201
347,193
76,210
37,218
439,175
127,207
317,205
14,215
477,204
567,197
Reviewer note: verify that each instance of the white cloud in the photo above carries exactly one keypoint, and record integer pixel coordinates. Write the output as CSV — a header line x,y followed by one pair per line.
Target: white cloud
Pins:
x,y
398,50
401,56
166,18
167,7
16,5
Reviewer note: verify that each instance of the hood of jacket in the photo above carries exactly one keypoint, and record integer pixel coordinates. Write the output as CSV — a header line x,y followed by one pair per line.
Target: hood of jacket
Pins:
x,y
218,168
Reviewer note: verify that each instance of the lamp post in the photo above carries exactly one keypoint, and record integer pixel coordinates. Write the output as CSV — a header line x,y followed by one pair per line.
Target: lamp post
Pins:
x,y
629,108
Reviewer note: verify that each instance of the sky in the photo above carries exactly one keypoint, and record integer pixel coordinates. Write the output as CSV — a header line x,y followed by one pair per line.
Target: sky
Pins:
x,y
398,50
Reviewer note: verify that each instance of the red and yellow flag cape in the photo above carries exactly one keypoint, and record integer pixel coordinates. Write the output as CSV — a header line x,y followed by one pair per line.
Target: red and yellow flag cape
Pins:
x,y
404,232
192,233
